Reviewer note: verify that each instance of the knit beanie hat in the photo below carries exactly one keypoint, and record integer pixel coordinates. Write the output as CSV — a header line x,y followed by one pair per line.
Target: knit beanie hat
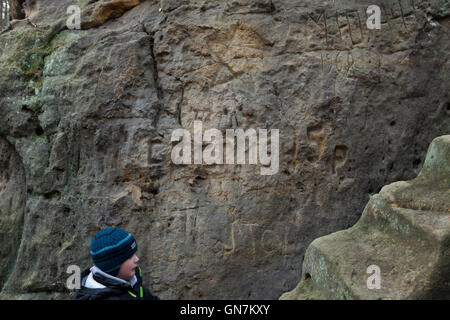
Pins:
x,y
110,248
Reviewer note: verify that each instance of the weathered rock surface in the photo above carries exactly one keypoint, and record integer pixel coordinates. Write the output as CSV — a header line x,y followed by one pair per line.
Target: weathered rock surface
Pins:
x,y
16,9
404,231
86,118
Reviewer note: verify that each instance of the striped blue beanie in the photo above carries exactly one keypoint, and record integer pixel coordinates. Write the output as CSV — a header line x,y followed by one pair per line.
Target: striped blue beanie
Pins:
x,y
111,247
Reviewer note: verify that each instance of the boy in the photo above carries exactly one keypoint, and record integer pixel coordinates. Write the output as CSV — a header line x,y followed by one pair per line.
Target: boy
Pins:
x,y
115,274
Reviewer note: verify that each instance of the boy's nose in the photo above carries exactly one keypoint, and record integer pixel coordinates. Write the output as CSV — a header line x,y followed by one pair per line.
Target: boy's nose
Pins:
x,y
136,259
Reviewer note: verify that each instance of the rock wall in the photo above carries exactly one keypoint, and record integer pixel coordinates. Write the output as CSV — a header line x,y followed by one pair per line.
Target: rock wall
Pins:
x,y
86,118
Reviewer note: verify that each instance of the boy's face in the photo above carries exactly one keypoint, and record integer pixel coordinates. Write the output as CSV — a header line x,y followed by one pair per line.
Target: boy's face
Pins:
x,y
127,270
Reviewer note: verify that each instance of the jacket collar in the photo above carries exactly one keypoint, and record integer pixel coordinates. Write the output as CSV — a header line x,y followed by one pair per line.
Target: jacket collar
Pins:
x,y
104,279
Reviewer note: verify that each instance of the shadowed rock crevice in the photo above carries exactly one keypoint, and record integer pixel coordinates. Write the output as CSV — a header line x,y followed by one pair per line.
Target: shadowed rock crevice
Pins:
x,y
157,84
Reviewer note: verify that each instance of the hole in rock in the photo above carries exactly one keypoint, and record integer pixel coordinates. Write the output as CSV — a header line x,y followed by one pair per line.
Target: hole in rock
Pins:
x,y
39,131
391,166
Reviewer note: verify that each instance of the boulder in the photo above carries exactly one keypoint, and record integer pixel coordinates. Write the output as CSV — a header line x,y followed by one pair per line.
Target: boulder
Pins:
x,y
402,237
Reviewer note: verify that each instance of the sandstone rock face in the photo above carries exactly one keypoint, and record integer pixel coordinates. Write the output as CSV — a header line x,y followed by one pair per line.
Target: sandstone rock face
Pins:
x,y
86,118
404,231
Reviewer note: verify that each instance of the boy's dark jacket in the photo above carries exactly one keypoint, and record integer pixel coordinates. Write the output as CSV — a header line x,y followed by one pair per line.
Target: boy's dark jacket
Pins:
x,y
114,290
